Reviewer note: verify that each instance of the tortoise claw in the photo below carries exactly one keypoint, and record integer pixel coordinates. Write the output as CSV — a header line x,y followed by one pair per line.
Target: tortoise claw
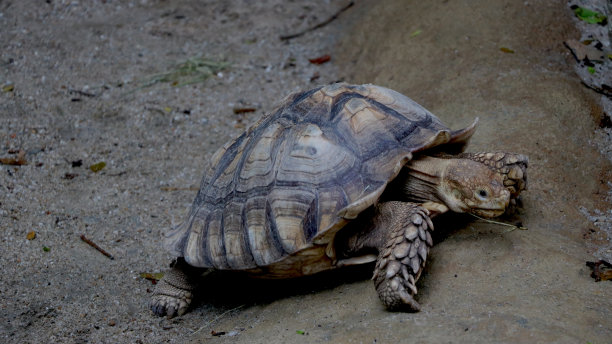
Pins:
x,y
169,306
396,299
173,293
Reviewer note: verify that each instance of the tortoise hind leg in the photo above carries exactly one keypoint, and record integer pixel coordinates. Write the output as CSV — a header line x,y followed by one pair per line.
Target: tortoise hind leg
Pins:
x,y
174,292
400,233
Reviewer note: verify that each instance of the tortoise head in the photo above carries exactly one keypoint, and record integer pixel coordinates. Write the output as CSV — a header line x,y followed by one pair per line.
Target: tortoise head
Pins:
x,y
468,186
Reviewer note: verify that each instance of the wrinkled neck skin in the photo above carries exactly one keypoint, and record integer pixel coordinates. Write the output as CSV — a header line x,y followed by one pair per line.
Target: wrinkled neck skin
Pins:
x,y
424,179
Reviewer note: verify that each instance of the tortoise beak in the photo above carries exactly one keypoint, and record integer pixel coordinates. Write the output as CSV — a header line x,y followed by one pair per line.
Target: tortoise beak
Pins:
x,y
484,212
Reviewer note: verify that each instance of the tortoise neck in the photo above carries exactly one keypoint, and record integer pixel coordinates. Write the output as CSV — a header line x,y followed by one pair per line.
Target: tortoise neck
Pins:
x,y
423,179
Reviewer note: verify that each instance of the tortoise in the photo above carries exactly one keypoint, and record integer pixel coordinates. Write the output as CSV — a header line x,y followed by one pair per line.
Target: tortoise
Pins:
x,y
335,176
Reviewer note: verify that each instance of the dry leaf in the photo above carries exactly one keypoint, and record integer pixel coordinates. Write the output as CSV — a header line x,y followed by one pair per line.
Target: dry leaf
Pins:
x,y
70,176
602,270
320,59
153,277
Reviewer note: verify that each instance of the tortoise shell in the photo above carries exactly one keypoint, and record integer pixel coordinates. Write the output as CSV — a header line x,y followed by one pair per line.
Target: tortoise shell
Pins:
x,y
274,198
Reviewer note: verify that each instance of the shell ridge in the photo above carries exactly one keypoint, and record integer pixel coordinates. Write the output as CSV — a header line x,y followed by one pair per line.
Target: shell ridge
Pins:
x,y
254,140
400,135
312,218
339,102
175,239
214,241
195,250
221,241
204,242
242,196
299,97
245,239
332,132
274,234
227,159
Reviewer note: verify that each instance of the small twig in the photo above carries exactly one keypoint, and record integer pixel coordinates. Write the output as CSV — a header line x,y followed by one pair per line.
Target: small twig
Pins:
x,y
320,25
572,51
242,110
94,245
81,93
514,227
18,161
604,91
217,318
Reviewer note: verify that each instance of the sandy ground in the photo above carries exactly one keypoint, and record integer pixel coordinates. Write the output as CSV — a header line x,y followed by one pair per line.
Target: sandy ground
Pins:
x,y
73,77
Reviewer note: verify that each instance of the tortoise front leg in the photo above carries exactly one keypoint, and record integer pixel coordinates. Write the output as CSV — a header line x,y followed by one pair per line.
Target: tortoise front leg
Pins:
x,y
402,257
174,292
400,231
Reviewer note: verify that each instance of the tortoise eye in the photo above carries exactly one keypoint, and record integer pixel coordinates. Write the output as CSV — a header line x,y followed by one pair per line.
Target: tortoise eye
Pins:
x,y
482,194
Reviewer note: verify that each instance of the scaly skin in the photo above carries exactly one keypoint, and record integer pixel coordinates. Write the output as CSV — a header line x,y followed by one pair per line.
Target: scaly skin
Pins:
x,y
401,260
173,294
511,166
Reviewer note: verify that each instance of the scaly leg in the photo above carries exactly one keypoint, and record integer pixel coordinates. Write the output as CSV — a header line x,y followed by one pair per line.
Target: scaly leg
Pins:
x,y
400,231
174,292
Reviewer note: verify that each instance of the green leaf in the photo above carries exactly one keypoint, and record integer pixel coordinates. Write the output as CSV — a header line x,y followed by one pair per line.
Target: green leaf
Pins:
x,y
589,16
591,69
97,167
415,33
300,332
152,276
46,249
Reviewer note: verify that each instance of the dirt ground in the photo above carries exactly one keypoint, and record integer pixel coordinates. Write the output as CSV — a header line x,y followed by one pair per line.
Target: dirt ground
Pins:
x,y
81,85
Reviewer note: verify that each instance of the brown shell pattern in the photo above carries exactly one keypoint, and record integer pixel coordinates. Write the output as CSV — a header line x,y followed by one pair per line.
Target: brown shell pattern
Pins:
x,y
286,185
